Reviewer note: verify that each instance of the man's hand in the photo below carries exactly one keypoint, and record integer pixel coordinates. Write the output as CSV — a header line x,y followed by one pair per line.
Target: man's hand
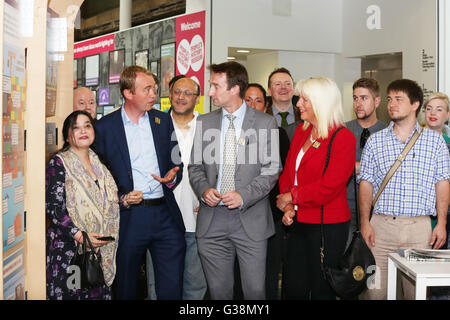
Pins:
x,y
289,214
438,236
368,234
232,199
212,197
169,177
283,200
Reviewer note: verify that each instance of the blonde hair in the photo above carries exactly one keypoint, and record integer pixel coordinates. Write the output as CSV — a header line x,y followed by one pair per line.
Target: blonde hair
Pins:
x,y
326,101
437,95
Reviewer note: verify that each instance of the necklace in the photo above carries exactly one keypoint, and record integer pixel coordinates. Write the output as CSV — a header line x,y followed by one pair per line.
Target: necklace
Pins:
x,y
311,138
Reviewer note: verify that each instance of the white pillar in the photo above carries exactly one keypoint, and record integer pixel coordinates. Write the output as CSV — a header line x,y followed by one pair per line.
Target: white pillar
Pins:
x,y
125,14
195,5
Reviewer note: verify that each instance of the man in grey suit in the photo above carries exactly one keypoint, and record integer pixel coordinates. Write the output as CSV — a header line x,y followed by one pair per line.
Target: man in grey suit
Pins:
x,y
234,164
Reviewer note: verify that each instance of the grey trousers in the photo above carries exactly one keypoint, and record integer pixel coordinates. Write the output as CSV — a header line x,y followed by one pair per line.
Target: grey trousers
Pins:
x,y
218,248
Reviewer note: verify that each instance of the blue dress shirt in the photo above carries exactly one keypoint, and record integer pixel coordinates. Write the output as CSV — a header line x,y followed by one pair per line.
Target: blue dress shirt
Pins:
x,y
144,161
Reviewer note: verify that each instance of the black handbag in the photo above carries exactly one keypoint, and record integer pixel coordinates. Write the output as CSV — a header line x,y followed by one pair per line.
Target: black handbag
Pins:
x,y
349,279
91,272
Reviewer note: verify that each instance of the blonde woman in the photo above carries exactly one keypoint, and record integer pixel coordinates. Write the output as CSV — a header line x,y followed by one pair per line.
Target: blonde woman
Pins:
x,y
437,112
304,190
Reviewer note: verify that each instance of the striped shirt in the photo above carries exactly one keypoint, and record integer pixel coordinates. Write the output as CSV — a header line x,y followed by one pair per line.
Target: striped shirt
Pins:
x,y
411,191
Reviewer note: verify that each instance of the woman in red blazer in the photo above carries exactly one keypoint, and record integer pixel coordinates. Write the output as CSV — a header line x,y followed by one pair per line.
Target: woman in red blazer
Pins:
x,y
303,189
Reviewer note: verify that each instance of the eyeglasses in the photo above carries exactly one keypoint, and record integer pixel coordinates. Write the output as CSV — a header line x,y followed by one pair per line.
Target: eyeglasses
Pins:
x,y
187,93
364,136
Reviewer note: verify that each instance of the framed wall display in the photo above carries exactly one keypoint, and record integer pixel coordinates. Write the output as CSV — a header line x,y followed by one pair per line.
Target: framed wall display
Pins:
x,y
116,65
92,70
154,68
167,67
141,58
108,109
103,96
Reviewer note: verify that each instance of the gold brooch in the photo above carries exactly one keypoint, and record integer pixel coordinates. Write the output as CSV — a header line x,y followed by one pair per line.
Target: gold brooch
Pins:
x,y
358,273
157,120
316,144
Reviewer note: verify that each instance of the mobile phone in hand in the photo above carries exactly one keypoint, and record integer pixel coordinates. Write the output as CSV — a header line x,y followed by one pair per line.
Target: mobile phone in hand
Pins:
x,y
106,238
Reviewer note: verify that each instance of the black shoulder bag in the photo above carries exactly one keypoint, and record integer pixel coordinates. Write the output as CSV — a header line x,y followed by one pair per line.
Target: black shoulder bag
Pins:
x,y
91,272
350,278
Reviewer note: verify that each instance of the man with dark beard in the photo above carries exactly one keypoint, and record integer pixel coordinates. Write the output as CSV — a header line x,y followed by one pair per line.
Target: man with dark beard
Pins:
x,y
366,99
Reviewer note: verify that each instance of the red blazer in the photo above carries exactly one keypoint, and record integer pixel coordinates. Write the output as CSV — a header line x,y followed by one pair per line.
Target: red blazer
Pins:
x,y
313,189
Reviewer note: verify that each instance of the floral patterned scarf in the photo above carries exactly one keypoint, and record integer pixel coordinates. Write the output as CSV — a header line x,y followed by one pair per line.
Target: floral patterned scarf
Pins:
x,y
92,207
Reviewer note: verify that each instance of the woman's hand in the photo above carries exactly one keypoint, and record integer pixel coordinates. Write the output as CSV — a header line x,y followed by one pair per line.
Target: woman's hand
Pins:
x,y
289,214
95,242
133,197
283,200
93,237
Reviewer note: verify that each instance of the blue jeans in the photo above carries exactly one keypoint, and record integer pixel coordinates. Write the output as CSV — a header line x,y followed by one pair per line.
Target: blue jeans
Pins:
x,y
194,281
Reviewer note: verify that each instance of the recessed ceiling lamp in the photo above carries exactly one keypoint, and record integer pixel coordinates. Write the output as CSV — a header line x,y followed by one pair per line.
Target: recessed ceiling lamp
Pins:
x,y
243,51
231,58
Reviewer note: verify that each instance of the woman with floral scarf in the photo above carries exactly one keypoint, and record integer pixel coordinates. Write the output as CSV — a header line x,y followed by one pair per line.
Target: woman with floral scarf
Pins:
x,y
81,195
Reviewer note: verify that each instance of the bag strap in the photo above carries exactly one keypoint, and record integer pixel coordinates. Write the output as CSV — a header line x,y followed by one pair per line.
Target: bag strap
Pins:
x,y
397,164
86,239
356,199
327,160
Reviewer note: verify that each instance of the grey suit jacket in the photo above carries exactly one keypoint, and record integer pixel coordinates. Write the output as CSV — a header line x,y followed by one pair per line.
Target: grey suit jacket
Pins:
x,y
257,170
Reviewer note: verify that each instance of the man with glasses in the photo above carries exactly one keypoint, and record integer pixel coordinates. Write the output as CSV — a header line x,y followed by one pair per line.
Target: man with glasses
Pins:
x,y
281,89
138,146
184,95
366,99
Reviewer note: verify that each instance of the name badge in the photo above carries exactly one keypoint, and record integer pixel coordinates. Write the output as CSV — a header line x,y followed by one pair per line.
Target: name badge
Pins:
x,y
316,144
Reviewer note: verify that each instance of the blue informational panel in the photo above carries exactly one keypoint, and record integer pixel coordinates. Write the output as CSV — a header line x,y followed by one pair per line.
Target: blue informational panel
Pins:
x,y
13,155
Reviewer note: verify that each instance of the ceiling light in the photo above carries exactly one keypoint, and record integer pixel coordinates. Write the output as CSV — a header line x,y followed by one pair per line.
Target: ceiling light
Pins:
x,y
243,51
231,58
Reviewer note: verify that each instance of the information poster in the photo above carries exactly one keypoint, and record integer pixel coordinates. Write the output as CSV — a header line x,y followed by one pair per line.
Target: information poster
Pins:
x,y
92,70
190,52
141,58
14,276
56,29
116,65
167,67
13,94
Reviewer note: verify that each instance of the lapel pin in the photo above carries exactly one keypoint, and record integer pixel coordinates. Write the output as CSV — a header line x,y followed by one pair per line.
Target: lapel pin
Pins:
x,y
157,120
241,141
316,144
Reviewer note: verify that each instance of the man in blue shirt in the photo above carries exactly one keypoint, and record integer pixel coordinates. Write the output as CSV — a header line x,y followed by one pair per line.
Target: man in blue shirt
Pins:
x,y
418,189
139,147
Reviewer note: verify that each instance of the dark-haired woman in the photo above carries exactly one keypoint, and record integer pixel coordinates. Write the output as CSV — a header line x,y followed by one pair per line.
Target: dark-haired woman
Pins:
x,y
81,195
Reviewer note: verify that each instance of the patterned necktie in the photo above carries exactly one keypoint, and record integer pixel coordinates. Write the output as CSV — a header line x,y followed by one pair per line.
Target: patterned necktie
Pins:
x,y
229,158
364,136
283,116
